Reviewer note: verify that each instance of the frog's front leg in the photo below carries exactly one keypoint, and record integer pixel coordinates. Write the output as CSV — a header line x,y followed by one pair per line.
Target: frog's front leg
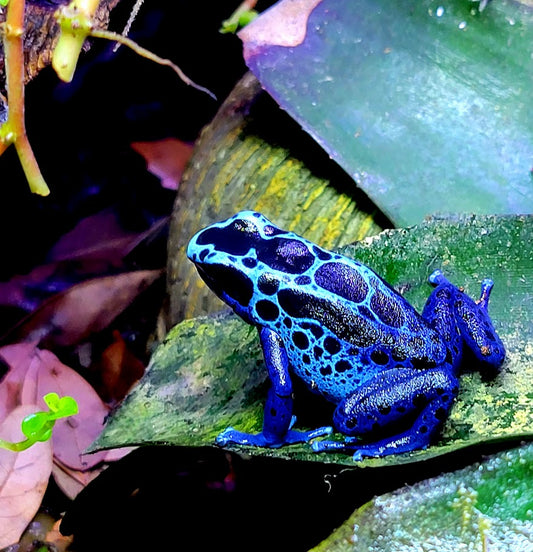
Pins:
x,y
278,419
391,400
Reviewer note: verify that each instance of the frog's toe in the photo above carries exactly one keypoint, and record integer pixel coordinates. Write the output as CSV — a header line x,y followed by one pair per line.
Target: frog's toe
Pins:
x,y
437,277
225,437
360,454
306,436
324,446
231,436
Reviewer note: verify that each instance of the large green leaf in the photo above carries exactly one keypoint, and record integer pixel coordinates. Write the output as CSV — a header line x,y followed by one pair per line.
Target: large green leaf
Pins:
x,y
209,373
426,104
485,507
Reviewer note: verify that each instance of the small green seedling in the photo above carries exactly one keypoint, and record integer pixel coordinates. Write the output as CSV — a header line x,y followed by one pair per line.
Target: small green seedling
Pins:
x,y
238,20
39,425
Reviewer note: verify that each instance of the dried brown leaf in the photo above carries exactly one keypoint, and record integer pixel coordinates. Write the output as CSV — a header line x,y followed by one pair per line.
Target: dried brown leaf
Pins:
x,y
72,316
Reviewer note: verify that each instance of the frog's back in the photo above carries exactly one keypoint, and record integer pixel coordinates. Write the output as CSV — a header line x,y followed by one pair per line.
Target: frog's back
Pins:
x,y
341,324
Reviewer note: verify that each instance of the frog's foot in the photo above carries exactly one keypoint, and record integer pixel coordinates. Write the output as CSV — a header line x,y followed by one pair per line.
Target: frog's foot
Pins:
x,y
385,447
231,436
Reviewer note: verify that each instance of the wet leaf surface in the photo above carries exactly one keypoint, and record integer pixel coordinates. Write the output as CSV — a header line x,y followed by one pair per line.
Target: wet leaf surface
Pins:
x,y
425,104
486,506
209,373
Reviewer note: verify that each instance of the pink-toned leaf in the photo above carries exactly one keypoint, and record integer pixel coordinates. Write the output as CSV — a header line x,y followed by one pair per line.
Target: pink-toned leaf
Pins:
x,y
71,435
41,372
165,159
286,26
72,316
70,481
23,478
18,357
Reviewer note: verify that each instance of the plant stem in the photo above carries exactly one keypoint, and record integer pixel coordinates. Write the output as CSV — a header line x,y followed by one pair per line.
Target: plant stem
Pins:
x,y
16,447
14,130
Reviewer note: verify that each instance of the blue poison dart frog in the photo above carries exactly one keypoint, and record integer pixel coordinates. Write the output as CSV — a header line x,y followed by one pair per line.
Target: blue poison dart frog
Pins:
x,y
351,338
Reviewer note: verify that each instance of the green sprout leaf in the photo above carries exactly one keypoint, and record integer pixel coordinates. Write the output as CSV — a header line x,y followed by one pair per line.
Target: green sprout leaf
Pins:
x,y
61,406
39,425
238,20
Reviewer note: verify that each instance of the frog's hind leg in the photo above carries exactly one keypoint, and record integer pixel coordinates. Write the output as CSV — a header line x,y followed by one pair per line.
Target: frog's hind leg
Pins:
x,y
473,321
395,398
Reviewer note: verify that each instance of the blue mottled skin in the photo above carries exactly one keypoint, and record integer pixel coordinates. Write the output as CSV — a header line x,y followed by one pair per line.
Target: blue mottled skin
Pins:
x,y
338,326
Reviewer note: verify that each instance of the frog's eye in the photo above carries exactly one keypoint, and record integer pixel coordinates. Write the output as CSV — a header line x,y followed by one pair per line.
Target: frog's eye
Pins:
x,y
245,226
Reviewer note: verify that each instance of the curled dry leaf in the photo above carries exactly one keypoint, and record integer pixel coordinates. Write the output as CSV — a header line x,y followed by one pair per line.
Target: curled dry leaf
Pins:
x,y
72,316
119,369
165,159
23,477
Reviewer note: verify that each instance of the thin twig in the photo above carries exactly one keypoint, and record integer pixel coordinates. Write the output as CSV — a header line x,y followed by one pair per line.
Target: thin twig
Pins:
x,y
100,33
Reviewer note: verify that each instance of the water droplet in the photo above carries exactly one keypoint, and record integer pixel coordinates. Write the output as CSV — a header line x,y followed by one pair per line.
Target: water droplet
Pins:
x,y
440,11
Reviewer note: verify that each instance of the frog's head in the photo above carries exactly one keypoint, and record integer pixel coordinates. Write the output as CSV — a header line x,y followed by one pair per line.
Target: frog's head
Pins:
x,y
247,254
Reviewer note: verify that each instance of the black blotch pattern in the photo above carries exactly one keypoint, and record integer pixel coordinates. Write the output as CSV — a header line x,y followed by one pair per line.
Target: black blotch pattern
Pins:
x,y
387,310
423,362
267,310
379,357
302,280
315,329
226,279
342,366
325,370
267,284
271,230
343,280
398,355
340,320
235,239
249,262
284,254
366,312
332,345
300,340
318,351
321,254
420,400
